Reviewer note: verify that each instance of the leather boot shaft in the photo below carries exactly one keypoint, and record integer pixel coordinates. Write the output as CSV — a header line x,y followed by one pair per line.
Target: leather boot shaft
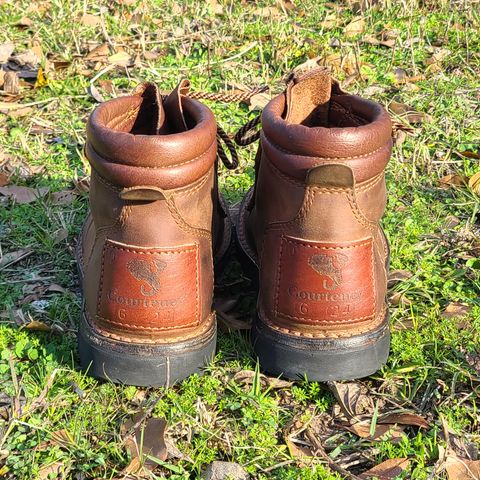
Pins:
x,y
145,252
311,223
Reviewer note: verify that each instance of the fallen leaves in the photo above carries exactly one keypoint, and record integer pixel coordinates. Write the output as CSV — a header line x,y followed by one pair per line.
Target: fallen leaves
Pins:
x,y
145,441
408,113
474,183
456,309
459,468
387,470
247,377
6,49
13,257
355,27
452,180
398,276
90,20
23,195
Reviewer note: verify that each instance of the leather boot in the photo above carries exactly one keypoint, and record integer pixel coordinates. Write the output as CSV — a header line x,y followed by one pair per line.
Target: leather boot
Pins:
x,y
310,225
145,250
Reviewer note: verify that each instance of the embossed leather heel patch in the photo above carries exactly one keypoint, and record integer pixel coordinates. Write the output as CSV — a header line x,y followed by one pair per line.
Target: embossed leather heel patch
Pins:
x,y
149,288
325,282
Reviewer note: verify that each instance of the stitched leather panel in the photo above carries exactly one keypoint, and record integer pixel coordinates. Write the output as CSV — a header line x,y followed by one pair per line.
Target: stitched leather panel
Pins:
x,y
325,282
148,289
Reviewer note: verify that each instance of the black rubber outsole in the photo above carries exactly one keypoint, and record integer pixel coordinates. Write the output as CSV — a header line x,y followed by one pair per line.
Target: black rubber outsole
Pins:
x,y
142,364
316,359
320,360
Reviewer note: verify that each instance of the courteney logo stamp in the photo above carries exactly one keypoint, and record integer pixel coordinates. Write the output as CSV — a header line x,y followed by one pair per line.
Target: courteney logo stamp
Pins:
x,y
329,266
147,272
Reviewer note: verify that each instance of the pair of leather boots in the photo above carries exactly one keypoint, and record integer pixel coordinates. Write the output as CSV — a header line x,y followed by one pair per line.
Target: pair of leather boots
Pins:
x,y
308,231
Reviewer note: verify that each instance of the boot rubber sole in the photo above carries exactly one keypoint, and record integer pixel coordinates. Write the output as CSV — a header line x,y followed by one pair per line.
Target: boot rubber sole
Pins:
x,y
143,364
317,359
320,360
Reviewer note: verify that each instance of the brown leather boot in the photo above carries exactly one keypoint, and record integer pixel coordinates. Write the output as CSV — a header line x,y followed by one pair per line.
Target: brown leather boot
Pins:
x,y
145,251
311,226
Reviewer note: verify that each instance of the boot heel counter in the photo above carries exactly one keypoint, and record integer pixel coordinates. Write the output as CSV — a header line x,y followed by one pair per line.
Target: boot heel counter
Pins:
x,y
329,260
145,289
319,282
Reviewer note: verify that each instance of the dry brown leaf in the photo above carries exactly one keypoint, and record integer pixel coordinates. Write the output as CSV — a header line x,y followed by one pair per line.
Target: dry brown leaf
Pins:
x,y
64,197
11,84
352,397
246,377
53,470
453,180
27,59
342,63
20,112
459,468
90,20
259,101
404,418
456,309
474,183
4,179
268,12
122,59
298,451
387,470
38,326
14,257
98,53
23,194
24,22
60,235
408,112
399,298
392,433
373,40
470,154
215,6
6,49
330,21
82,185
438,56
147,440
397,276
472,359
355,27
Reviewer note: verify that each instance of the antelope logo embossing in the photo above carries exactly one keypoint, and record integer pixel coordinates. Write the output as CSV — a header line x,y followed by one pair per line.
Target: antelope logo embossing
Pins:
x,y
331,267
148,272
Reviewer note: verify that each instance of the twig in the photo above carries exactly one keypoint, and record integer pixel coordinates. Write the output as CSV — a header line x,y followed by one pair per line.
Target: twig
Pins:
x,y
209,64
145,415
38,402
16,401
323,454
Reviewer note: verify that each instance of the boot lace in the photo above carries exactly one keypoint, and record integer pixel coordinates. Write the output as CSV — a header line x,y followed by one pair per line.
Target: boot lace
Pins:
x,y
244,136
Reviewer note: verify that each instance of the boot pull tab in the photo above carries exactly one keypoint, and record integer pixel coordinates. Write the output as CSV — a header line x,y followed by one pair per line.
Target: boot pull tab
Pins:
x,y
143,193
330,175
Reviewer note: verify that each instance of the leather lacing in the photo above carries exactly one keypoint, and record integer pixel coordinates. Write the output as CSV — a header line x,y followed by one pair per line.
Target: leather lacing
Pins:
x,y
244,136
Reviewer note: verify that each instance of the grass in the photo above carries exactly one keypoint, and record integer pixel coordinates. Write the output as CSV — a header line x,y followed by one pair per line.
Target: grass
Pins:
x,y
434,232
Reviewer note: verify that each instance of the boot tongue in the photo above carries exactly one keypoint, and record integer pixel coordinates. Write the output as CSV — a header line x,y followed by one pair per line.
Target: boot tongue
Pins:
x,y
151,116
308,97
173,107
157,117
